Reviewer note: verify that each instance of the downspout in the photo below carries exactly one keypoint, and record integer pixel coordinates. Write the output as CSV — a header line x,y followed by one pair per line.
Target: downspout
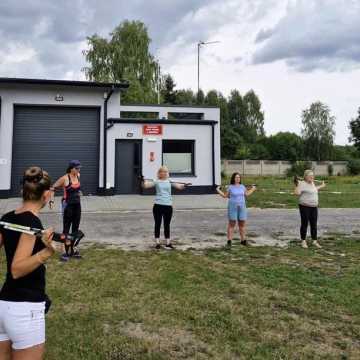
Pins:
x,y
107,98
213,153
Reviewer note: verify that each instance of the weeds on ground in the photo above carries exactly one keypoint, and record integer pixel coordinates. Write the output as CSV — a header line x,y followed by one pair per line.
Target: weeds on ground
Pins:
x,y
238,303
277,192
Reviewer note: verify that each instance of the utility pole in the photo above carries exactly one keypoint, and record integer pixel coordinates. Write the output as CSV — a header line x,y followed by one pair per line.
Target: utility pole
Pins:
x,y
199,44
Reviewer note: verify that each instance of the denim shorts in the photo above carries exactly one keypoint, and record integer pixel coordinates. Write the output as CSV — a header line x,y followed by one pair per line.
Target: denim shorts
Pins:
x,y
236,212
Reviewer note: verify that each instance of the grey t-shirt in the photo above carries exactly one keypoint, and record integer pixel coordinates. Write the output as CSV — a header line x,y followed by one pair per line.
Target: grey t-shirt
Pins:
x,y
308,194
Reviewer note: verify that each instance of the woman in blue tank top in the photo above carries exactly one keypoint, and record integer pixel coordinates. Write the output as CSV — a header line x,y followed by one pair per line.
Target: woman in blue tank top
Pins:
x,y
237,213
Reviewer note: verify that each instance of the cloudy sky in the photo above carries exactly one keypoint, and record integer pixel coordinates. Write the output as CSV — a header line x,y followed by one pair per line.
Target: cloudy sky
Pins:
x,y
291,52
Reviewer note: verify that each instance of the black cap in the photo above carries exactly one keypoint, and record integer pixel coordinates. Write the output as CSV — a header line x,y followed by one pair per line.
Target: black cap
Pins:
x,y
74,164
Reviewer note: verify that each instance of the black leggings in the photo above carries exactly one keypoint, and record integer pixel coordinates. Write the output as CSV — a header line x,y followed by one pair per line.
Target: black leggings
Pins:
x,y
71,219
159,212
308,214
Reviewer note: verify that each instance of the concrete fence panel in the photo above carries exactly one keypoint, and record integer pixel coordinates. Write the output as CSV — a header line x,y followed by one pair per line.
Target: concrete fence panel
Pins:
x,y
279,168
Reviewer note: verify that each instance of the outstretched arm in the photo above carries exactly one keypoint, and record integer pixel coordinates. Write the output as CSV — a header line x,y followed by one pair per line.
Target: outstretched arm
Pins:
x,y
250,191
180,186
225,194
147,184
321,186
297,189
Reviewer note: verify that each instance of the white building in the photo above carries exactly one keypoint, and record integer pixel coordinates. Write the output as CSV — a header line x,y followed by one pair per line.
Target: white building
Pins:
x,y
49,122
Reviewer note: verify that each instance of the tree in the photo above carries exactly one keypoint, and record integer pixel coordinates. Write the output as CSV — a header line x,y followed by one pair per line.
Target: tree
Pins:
x,y
168,93
254,113
258,151
354,126
212,98
285,146
125,55
230,139
344,153
185,97
318,131
200,97
246,115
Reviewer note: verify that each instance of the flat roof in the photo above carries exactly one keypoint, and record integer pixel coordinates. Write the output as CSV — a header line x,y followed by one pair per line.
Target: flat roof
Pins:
x,y
119,85
173,106
161,121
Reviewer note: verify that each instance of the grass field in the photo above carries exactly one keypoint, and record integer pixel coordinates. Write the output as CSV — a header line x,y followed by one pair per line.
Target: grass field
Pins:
x,y
341,192
243,303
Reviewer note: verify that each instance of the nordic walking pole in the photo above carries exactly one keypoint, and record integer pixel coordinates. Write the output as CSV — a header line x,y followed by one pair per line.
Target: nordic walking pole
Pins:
x,y
141,177
298,178
246,185
74,239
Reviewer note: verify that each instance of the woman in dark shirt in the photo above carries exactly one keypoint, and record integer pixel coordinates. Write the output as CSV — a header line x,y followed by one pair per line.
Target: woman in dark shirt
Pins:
x,y
71,205
22,297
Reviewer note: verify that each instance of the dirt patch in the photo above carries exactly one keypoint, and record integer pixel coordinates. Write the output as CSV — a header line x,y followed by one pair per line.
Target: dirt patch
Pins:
x,y
176,342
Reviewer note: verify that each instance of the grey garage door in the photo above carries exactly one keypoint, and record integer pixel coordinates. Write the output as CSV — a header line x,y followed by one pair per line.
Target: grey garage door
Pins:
x,y
50,136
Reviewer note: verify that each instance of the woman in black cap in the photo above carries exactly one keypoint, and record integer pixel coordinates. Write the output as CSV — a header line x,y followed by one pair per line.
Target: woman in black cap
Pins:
x,y
71,205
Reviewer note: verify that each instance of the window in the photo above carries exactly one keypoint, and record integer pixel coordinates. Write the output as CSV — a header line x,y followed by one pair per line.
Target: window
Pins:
x,y
185,116
178,156
139,115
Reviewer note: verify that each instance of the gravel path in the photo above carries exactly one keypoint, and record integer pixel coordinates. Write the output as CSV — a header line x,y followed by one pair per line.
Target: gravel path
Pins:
x,y
199,229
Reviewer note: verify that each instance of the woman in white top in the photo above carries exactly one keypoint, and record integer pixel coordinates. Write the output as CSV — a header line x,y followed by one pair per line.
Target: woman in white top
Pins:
x,y
308,206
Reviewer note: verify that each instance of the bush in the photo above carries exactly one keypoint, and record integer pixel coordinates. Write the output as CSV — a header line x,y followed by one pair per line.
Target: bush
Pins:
x,y
330,170
298,168
354,166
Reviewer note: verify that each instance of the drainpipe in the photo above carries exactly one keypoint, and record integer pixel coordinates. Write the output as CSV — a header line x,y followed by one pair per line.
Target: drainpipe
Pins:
x,y
107,98
213,153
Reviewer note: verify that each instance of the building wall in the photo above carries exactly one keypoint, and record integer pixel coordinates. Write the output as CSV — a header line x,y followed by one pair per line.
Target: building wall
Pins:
x,y
45,95
200,133
210,113
80,96
203,150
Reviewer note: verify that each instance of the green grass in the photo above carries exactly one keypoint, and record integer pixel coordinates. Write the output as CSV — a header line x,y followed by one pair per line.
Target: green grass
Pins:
x,y
276,192
243,303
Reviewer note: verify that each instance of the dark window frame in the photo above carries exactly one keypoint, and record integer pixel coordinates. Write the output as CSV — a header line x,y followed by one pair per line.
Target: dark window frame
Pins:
x,y
185,116
177,174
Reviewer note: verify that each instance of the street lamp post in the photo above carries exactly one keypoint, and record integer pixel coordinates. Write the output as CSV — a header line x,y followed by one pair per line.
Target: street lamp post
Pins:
x,y
199,44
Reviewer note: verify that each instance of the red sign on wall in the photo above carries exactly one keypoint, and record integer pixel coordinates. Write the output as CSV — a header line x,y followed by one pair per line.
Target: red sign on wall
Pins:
x,y
152,130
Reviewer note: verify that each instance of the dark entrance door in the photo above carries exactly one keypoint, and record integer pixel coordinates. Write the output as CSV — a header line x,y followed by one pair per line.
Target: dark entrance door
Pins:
x,y
128,162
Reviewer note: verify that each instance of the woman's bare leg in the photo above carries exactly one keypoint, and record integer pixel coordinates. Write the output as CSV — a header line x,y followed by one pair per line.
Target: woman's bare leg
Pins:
x,y
5,350
33,353
230,230
242,229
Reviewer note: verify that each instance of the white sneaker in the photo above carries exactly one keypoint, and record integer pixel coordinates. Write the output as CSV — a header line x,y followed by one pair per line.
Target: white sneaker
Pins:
x,y
316,244
304,244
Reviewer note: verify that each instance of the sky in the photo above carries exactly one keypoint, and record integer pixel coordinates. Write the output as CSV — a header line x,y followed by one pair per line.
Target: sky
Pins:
x,y
290,52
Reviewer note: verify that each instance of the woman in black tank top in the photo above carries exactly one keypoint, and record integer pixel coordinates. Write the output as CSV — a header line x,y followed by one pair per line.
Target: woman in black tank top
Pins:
x,y
71,205
22,297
